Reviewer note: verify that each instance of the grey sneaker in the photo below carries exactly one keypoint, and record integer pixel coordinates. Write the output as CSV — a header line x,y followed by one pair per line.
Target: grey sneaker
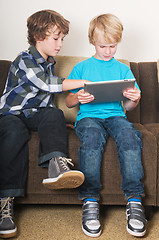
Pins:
x,y
7,226
60,176
136,222
91,219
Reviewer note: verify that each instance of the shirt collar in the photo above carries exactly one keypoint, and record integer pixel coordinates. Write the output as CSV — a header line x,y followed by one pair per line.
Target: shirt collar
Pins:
x,y
38,56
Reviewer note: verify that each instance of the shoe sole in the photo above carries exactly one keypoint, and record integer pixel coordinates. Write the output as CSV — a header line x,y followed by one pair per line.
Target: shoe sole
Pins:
x,y
135,234
71,179
8,233
91,234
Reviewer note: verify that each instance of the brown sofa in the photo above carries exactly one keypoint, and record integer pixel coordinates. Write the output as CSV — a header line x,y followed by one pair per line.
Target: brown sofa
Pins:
x,y
145,118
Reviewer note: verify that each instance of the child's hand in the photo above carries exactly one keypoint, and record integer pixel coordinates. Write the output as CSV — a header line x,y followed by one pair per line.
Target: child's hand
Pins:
x,y
84,97
133,94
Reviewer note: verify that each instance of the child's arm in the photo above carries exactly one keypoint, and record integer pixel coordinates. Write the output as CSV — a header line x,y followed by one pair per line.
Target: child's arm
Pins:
x,y
36,77
80,97
134,95
69,84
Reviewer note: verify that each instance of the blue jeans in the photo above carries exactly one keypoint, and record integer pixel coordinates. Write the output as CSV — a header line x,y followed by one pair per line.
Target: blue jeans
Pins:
x,y
93,133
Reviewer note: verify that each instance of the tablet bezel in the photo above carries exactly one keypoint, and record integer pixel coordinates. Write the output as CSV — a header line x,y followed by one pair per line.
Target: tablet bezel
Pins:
x,y
109,91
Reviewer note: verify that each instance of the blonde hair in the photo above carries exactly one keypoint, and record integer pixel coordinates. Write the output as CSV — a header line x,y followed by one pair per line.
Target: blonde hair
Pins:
x,y
108,25
39,23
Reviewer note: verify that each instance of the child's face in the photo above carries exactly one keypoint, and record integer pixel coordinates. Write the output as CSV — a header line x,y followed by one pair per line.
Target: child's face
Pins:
x,y
104,51
52,44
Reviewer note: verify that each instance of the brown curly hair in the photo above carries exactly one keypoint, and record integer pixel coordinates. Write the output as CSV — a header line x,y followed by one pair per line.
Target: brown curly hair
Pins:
x,y
39,23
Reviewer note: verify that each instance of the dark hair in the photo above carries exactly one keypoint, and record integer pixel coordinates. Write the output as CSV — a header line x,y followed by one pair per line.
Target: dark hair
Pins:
x,y
40,22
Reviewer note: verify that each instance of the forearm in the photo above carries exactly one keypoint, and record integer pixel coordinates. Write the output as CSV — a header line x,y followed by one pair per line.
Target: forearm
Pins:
x,y
130,105
133,95
69,84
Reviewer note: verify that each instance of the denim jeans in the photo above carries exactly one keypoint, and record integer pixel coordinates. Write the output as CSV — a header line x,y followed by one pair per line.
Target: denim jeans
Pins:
x,y
93,133
50,125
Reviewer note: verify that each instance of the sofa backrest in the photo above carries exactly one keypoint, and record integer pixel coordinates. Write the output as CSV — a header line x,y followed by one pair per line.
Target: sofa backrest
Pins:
x,y
145,73
4,68
150,92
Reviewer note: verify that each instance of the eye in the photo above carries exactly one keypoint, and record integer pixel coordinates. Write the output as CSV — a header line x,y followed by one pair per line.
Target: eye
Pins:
x,y
113,46
101,46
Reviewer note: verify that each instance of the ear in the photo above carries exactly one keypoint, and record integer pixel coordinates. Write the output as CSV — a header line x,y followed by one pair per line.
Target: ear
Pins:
x,y
37,39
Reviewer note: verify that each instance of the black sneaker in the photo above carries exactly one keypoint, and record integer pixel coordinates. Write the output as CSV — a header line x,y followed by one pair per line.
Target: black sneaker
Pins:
x,y
60,176
90,219
7,226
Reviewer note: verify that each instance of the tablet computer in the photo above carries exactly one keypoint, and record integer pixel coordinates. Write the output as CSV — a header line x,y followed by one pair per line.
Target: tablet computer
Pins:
x,y
109,91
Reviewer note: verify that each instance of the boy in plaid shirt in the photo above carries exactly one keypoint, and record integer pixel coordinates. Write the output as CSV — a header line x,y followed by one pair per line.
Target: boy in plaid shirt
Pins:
x,y
27,105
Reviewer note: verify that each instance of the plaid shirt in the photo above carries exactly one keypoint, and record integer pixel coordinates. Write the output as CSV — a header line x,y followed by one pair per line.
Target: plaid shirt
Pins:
x,y
31,84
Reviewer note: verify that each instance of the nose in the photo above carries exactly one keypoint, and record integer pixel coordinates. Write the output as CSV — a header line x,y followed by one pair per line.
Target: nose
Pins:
x,y
60,42
107,50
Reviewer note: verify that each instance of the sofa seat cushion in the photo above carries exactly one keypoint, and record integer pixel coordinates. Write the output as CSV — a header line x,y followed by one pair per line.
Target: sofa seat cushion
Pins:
x,y
154,129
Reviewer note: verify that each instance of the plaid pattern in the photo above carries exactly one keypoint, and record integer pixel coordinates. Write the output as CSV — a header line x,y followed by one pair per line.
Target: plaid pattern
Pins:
x,y
31,84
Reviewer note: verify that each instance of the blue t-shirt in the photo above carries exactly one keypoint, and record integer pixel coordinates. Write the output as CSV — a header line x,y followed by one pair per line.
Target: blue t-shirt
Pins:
x,y
95,70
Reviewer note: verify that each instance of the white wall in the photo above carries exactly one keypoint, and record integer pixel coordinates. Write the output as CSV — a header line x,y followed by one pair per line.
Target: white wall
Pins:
x,y
139,17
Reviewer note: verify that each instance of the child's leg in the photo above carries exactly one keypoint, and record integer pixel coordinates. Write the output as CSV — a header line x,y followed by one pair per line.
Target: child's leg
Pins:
x,y
128,141
52,133
13,169
129,145
14,137
92,136
51,126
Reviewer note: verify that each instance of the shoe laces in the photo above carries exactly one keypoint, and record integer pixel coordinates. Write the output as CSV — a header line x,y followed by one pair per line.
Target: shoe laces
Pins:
x,y
64,161
6,207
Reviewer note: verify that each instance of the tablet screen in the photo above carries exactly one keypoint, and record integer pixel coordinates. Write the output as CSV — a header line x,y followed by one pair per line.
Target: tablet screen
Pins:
x,y
109,91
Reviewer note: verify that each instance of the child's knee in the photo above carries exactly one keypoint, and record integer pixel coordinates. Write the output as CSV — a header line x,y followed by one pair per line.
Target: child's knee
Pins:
x,y
129,139
92,137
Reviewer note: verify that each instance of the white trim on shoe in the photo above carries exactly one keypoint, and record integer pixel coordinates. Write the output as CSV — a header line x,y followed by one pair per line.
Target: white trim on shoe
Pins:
x,y
91,235
4,233
135,234
70,179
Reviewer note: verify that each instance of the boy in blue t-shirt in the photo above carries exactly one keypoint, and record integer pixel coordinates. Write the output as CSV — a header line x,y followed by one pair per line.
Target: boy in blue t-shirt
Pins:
x,y
97,121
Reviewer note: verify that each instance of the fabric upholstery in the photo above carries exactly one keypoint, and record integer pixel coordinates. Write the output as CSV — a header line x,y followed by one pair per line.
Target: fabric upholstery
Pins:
x,y
145,118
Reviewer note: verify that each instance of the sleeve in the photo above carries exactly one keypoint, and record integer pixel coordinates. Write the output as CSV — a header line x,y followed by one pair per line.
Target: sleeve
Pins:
x,y
31,73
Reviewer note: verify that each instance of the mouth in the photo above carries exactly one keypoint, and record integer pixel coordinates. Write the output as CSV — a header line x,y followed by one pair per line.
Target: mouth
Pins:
x,y
106,58
57,50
